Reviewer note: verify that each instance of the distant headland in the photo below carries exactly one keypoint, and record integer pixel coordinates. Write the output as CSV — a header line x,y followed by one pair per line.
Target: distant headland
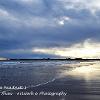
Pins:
x,y
52,59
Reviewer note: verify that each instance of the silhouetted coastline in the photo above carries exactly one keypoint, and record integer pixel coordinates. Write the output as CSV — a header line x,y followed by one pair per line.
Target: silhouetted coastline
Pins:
x,y
54,59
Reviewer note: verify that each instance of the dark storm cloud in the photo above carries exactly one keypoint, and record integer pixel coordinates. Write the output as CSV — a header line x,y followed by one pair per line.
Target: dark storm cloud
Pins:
x,y
42,24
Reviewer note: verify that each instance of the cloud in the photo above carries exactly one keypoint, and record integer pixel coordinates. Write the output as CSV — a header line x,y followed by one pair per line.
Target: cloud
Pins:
x,y
61,21
87,49
5,15
28,24
27,1
91,5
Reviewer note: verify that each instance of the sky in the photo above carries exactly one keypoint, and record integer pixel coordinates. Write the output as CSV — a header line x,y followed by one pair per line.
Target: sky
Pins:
x,y
49,28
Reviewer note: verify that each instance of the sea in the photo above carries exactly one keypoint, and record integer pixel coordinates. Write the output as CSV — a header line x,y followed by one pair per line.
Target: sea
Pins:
x,y
50,80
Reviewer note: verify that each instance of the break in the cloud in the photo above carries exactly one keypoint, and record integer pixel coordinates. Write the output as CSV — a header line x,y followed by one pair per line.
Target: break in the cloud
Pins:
x,y
85,50
29,28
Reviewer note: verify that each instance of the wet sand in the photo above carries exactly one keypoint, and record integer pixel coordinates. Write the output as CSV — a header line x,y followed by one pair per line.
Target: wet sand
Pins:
x,y
81,81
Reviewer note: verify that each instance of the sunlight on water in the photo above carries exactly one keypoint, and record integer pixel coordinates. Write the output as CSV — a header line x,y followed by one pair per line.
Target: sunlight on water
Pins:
x,y
88,72
84,70
43,73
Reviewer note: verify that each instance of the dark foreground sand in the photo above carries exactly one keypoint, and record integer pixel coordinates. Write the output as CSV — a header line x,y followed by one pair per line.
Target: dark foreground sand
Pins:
x,y
80,83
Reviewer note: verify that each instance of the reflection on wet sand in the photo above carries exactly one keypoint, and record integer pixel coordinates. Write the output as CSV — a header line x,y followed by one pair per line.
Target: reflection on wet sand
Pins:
x,y
81,80
86,70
